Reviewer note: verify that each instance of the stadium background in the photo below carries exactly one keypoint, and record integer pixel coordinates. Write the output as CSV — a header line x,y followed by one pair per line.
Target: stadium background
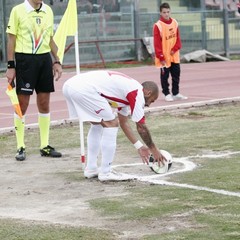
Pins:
x,y
113,30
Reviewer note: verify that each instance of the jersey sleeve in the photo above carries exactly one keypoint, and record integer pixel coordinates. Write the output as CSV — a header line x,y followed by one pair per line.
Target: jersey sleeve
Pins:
x,y
178,44
157,40
13,22
136,103
52,21
136,106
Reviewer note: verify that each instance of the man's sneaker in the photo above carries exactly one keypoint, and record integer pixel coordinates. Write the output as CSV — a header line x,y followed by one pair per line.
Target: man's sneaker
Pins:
x,y
179,97
90,173
49,151
168,98
114,176
21,154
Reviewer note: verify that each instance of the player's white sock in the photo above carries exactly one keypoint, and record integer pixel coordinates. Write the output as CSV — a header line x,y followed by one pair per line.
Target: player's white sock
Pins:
x,y
108,148
93,142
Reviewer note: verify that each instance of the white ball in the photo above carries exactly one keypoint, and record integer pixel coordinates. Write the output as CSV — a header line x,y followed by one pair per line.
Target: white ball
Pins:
x,y
163,168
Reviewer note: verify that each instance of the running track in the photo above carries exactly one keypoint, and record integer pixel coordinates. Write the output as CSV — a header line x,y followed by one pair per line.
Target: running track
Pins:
x,y
203,83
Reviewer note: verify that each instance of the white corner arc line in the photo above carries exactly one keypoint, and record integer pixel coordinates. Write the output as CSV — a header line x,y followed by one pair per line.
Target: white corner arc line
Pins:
x,y
188,166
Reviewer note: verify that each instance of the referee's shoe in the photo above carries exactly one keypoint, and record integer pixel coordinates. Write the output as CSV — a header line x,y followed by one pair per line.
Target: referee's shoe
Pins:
x,y
49,151
21,154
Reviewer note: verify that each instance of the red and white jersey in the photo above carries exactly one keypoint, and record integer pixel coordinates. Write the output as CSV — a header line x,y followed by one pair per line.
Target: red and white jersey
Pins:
x,y
121,91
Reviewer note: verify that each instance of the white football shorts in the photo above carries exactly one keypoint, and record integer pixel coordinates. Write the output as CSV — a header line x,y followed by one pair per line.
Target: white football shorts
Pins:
x,y
87,105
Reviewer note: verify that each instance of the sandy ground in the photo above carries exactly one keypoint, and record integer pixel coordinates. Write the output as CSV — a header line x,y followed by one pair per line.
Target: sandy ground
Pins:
x,y
55,191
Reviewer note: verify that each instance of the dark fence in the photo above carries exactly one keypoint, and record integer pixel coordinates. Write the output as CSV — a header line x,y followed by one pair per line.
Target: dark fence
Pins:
x,y
110,32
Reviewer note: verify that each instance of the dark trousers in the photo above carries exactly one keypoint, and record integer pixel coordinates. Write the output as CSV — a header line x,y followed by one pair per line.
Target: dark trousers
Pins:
x,y
174,70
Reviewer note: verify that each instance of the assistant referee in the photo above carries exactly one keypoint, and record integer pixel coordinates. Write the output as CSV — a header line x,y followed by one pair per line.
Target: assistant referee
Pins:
x,y
33,61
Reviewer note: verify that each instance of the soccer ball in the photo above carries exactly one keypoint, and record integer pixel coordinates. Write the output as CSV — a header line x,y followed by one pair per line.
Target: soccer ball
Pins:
x,y
162,168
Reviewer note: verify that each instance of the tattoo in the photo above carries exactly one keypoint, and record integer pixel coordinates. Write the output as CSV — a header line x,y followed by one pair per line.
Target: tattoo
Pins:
x,y
145,134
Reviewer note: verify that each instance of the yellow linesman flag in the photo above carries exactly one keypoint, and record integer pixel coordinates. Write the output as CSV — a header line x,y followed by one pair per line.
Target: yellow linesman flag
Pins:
x,y
11,92
67,27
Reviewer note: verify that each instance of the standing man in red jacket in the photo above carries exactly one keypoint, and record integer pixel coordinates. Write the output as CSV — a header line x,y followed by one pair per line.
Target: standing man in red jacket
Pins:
x,y
167,44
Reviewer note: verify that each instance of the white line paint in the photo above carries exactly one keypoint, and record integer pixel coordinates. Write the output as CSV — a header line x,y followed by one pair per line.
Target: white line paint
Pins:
x,y
187,166
162,182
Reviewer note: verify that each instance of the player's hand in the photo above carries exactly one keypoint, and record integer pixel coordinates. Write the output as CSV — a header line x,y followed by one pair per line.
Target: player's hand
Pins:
x,y
158,157
57,71
163,63
144,153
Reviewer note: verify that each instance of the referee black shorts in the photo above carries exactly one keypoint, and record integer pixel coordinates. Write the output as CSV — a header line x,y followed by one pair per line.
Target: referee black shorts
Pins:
x,y
34,72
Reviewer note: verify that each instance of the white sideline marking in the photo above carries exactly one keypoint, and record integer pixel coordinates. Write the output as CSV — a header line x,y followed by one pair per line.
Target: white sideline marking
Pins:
x,y
162,182
188,166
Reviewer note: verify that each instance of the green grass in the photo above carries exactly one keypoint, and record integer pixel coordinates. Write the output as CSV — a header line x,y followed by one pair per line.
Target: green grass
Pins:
x,y
180,213
209,216
18,230
109,65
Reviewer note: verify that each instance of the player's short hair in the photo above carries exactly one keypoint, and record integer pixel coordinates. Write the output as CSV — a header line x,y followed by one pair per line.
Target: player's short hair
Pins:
x,y
152,86
164,5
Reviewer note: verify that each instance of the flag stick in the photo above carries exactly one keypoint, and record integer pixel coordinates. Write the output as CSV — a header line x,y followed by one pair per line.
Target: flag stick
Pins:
x,y
69,27
82,144
80,122
77,53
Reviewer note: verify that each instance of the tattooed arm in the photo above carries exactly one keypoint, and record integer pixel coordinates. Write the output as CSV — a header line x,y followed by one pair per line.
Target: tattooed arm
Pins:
x,y
147,138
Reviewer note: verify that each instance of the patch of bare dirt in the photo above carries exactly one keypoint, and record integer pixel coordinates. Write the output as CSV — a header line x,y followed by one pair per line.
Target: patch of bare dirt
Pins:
x,y
55,191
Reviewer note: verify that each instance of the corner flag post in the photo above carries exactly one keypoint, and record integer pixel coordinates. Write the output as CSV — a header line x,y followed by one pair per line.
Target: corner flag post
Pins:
x,y
80,122
69,27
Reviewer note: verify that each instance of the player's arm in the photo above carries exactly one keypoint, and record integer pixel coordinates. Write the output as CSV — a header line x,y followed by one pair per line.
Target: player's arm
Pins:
x,y
127,129
57,67
11,72
54,49
147,138
178,44
157,41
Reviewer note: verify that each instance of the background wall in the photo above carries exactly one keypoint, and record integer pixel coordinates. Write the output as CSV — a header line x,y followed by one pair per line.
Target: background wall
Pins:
x,y
111,30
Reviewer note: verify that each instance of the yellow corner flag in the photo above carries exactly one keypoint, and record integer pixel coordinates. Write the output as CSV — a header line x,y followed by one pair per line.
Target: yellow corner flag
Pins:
x,y
67,27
